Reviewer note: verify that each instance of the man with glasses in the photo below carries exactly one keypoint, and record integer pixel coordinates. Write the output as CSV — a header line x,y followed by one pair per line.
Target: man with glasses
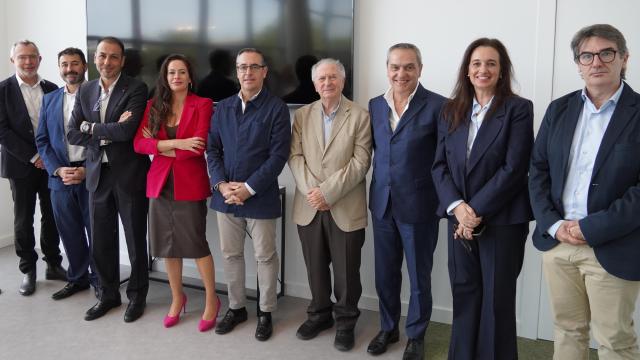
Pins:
x,y
20,101
115,177
586,200
248,145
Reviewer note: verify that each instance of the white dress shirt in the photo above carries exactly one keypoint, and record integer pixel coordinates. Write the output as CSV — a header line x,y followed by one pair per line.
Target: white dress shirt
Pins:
x,y
103,103
394,118
587,137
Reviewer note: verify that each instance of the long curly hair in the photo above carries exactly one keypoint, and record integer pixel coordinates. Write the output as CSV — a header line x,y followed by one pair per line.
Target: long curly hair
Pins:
x,y
161,108
455,110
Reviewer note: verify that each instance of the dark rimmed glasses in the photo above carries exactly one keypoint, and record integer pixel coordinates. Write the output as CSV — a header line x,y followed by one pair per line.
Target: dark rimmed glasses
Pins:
x,y
606,56
244,68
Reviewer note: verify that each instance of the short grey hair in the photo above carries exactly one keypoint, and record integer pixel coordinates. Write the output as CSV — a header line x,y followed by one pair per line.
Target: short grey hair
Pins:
x,y
23,42
405,46
328,61
604,31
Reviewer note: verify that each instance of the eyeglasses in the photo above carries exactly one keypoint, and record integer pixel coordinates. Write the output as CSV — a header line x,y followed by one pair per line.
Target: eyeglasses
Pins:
x,y
245,68
466,244
606,56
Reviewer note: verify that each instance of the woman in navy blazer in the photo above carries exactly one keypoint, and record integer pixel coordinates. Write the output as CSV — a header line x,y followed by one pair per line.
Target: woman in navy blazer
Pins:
x,y
480,173
173,130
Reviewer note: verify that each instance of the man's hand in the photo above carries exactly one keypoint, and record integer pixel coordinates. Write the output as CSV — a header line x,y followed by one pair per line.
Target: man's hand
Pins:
x,y
71,175
462,232
316,200
235,193
125,116
466,216
568,234
39,163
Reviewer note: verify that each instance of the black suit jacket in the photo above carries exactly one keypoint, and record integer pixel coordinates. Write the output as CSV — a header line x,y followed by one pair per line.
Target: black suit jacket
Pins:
x,y
493,181
129,94
16,132
611,227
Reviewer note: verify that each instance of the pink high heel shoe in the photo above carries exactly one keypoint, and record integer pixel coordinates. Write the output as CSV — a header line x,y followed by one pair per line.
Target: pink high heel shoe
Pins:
x,y
206,325
170,321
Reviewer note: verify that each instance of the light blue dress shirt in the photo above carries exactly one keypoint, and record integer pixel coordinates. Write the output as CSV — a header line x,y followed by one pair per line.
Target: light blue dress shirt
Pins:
x,y
587,137
327,121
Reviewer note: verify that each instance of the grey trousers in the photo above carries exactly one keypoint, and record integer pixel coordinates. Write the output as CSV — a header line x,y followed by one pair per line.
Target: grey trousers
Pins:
x,y
232,234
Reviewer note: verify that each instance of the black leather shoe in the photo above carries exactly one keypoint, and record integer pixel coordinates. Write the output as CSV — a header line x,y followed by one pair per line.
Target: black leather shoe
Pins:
x,y
230,320
28,285
265,327
414,350
55,272
344,340
68,290
310,329
380,342
101,308
134,311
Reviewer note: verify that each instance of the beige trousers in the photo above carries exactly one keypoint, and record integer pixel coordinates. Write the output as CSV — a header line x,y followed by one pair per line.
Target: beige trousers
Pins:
x,y
582,293
232,234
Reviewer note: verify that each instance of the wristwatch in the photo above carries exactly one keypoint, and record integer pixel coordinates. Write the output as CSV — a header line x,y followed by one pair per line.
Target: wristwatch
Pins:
x,y
85,127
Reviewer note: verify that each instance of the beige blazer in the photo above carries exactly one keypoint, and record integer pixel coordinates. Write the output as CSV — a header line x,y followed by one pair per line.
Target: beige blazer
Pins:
x,y
339,168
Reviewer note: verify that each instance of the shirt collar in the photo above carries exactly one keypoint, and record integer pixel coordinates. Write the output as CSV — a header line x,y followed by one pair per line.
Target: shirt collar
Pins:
x,y
476,108
66,91
388,95
20,81
612,100
113,85
333,112
252,98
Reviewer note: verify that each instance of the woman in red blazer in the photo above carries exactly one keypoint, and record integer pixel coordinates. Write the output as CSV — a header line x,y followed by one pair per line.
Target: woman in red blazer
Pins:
x,y
173,130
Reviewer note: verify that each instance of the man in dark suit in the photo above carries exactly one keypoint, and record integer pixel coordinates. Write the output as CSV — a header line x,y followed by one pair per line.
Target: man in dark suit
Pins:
x,y
115,176
402,197
20,101
247,148
65,164
586,199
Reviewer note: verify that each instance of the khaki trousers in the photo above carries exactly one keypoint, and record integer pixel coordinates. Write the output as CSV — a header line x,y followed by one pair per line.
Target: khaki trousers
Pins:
x,y
232,234
582,293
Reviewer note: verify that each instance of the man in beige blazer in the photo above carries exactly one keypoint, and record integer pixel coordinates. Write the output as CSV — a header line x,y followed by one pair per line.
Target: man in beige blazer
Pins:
x,y
330,156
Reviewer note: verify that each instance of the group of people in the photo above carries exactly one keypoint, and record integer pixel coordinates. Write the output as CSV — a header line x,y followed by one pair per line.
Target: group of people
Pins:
x,y
83,151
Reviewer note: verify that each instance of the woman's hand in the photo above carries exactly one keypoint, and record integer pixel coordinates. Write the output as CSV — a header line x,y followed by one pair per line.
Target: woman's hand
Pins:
x,y
146,133
466,216
193,144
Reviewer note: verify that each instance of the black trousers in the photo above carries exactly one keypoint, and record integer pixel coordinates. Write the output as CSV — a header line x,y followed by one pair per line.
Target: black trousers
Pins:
x,y
324,244
483,284
24,192
105,204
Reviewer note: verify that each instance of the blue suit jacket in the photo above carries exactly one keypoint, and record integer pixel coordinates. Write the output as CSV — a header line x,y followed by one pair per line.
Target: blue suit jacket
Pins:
x,y
402,159
51,138
493,181
16,132
611,227
252,147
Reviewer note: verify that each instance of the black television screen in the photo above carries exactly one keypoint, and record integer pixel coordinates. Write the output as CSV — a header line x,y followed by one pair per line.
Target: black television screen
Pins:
x,y
291,33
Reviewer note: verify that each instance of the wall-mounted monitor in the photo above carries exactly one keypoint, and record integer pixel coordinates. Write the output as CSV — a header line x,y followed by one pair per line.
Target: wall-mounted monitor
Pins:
x,y
291,34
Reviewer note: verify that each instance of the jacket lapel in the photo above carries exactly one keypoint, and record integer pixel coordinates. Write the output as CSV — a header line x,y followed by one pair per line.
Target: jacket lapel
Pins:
x,y
487,133
316,124
574,108
624,112
18,99
94,96
458,144
186,116
114,99
416,104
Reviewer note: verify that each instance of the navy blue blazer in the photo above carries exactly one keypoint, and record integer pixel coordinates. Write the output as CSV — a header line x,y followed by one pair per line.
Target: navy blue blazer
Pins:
x,y
403,158
493,181
612,227
51,138
252,147
129,94
16,131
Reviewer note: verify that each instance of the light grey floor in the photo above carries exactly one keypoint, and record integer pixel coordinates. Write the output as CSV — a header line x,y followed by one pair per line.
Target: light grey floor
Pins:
x,y
37,327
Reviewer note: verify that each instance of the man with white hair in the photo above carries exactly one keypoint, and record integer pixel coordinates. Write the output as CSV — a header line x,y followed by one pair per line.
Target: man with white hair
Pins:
x,y
20,101
330,156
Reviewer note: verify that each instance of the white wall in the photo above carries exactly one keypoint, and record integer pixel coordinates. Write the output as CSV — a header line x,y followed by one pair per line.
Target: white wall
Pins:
x,y
6,213
442,30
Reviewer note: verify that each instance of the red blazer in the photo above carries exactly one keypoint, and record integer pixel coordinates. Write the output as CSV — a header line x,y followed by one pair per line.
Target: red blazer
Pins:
x,y
191,181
